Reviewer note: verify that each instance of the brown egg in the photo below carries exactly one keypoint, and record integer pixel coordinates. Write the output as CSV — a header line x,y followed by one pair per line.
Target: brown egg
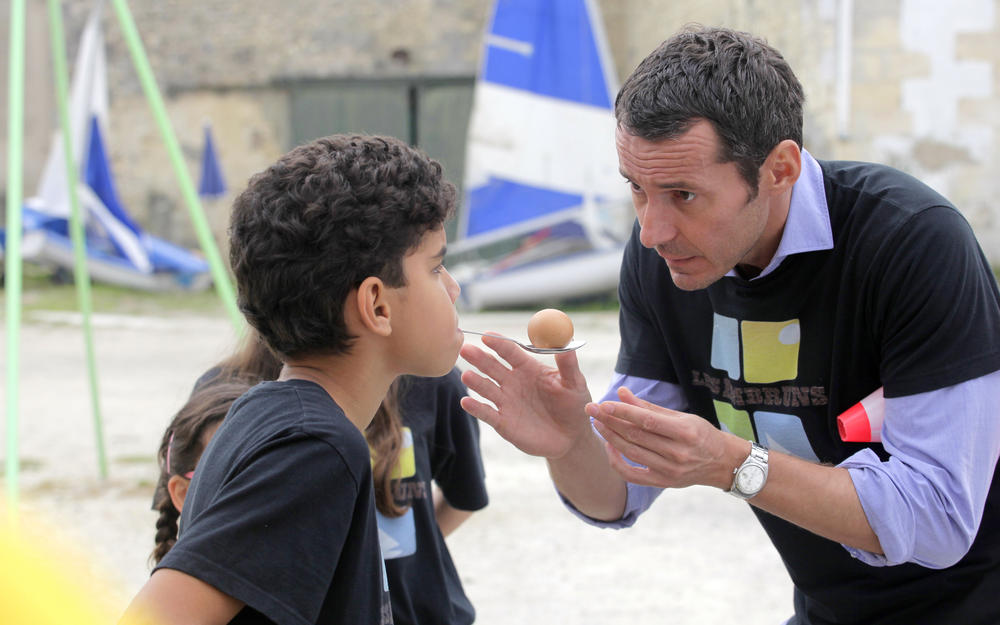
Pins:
x,y
550,328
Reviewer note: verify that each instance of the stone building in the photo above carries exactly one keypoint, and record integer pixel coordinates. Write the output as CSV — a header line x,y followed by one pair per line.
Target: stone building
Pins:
x,y
912,83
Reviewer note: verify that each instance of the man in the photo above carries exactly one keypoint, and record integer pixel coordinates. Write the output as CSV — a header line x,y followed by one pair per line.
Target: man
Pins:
x,y
762,293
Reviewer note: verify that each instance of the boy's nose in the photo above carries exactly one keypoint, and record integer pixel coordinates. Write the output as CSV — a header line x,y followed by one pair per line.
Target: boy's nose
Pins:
x,y
452,286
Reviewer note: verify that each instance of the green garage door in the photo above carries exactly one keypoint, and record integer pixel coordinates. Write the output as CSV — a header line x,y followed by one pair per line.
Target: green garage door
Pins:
x,y
432,114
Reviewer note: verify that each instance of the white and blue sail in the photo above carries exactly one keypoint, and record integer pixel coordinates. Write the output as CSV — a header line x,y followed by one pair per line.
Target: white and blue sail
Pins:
x,y
119,251
540,157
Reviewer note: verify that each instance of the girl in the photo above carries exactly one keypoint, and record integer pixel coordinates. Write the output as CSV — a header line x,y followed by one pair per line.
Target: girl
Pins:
x,y
183,441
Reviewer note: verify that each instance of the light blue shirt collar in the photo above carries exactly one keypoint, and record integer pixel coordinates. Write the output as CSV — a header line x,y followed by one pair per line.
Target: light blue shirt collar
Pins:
x,y
807,227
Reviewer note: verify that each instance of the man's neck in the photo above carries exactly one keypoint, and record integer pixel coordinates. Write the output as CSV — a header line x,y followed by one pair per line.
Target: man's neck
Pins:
x,y
748,272
770,239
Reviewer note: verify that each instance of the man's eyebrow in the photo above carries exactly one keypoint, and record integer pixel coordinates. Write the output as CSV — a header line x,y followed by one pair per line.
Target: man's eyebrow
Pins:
x,y
680,184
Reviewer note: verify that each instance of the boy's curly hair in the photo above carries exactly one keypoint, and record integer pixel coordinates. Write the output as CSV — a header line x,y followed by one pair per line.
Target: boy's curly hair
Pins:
x,y
321,220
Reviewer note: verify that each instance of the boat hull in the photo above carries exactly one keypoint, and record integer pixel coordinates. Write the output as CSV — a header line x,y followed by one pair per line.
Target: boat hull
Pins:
x,y
50,249
584,274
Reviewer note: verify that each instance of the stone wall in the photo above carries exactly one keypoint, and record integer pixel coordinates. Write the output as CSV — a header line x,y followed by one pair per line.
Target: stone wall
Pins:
x,y
923,80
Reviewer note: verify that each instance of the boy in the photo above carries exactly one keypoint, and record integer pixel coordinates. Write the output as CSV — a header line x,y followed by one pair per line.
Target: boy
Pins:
x,y
337,251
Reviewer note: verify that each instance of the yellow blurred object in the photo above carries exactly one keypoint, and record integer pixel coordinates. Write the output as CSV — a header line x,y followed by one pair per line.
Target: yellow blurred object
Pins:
x,y
43,584
37,590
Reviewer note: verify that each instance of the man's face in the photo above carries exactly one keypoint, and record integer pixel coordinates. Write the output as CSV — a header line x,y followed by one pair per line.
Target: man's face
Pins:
x,y
694,211
425,322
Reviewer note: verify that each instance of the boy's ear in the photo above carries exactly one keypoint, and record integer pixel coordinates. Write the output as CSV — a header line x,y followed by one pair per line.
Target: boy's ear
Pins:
x,y
373,306
783,166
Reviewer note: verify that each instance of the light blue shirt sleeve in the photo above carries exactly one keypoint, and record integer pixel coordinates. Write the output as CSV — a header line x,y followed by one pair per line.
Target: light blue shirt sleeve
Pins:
x,y
639,498
926,501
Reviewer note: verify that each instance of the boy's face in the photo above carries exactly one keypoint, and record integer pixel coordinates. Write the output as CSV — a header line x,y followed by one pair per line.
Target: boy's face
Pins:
x,y
424,321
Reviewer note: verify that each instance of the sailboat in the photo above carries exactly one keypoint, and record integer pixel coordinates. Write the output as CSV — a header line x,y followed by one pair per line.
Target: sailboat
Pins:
x,y
541,166
119,251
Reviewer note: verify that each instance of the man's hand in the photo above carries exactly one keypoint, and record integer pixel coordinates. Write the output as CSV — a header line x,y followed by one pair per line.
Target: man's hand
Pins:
x,y
539,409
677,449
680,449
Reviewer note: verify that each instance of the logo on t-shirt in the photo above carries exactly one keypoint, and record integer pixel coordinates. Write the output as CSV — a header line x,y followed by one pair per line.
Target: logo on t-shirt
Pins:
x,y
760,361
398,536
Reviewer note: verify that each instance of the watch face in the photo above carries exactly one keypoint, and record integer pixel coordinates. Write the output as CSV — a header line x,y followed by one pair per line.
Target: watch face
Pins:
x,y
750,479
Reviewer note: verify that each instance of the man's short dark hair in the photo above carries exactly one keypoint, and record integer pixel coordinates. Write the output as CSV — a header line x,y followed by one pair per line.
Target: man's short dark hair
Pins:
x,y
317,223
735,81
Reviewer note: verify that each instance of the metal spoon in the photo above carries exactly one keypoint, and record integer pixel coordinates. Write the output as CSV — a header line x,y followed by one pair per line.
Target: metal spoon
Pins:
x,y
572,345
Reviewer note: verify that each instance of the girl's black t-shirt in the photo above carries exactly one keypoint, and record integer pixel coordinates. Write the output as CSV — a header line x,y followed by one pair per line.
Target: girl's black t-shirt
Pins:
x,y
442,449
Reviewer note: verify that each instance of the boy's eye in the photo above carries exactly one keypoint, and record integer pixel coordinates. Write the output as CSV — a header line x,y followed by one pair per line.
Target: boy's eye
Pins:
x,y
439,268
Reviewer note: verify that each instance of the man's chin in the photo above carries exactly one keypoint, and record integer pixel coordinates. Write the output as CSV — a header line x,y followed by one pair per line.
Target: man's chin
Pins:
x,y
693,282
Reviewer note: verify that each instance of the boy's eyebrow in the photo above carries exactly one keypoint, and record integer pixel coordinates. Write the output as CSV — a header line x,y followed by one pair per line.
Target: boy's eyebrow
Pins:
x,y
441,253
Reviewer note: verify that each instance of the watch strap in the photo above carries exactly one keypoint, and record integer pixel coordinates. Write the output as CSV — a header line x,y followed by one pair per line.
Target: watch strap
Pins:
x,y
755,460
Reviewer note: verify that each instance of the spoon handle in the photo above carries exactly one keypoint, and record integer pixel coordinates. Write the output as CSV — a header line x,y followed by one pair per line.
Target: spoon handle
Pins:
x,y
499,336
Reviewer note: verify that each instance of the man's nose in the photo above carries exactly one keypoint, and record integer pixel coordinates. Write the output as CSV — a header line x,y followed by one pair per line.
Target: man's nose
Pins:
x,y
656,225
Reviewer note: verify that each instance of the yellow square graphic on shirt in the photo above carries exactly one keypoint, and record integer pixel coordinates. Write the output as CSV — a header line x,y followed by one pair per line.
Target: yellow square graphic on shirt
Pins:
x,y
407,464
770,350
733,420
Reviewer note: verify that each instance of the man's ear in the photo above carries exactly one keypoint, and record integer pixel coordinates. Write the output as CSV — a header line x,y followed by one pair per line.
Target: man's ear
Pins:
x,y
373,308
177,486
783,166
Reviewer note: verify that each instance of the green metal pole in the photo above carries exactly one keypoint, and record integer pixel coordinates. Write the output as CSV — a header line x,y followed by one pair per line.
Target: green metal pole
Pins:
x,y
12,261
80,273
219,274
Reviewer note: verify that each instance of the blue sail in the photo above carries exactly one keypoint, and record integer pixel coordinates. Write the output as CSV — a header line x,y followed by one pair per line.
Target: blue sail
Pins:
x,y
541,137
210,183
546,48
522,203
97,174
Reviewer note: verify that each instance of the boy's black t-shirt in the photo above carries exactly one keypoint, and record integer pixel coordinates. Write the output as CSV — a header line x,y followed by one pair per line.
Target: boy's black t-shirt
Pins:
x,y
904,300
442,446
281,512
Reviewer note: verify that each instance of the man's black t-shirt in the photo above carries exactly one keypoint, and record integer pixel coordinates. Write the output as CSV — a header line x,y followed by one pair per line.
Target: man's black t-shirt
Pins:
x,y
905,300
441,446
281,512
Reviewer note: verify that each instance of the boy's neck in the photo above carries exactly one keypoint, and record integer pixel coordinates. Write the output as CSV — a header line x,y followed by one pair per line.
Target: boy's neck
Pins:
x,y
351,385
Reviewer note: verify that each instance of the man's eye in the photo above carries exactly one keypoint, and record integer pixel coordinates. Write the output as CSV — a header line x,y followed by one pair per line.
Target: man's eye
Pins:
x,y
635,188
685,196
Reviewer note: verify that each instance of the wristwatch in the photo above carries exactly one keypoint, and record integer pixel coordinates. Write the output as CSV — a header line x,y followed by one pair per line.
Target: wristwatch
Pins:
x,y
749,478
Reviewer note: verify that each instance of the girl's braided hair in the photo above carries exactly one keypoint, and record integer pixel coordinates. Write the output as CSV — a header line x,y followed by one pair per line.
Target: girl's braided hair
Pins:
x,y
182,446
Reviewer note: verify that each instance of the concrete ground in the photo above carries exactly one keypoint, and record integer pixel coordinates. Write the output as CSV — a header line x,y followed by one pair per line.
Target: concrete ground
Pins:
x,y
696,557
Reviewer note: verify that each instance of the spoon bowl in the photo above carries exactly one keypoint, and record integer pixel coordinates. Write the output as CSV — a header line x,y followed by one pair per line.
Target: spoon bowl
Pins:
x,y
571,346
